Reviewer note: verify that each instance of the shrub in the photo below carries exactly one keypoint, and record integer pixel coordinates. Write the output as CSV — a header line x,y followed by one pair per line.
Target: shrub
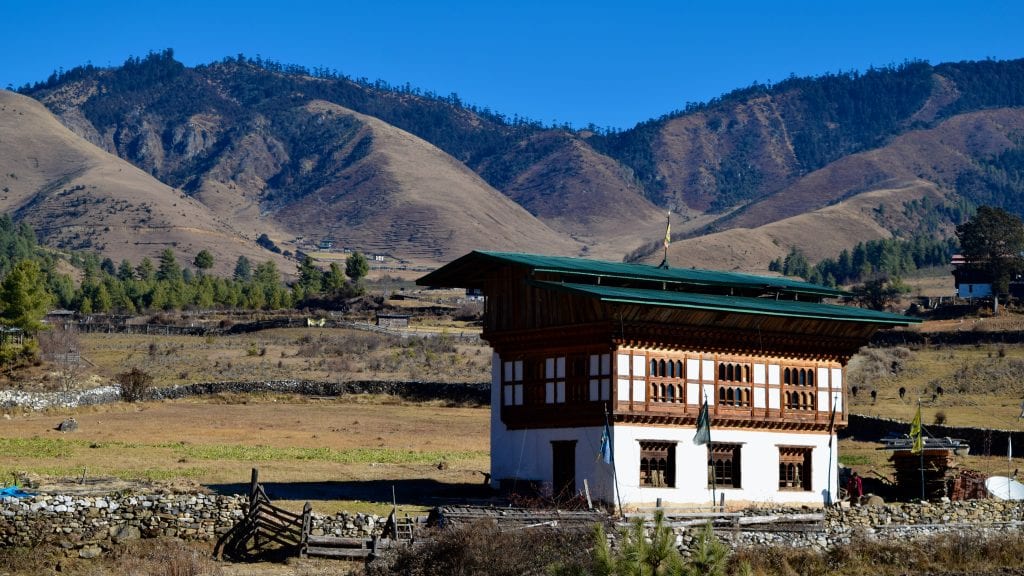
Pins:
x,y
135,385
484,549
940,418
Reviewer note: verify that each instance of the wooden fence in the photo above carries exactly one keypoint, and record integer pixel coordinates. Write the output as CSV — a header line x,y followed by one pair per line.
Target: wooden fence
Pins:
x,y
266,531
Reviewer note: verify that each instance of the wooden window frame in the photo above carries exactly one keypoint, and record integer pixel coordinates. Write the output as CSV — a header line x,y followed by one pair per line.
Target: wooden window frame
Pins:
x,y
599,376
795,468
725,465
512,383
657,464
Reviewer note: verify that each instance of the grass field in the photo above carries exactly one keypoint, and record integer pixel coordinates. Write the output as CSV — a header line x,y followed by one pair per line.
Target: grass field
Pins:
x,y
323,354
340,453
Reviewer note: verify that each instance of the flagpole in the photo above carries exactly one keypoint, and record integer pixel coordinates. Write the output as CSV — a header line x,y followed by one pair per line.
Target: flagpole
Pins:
x,y
703,437
615,474
668,239
922,446
711,452
831,423
1009,462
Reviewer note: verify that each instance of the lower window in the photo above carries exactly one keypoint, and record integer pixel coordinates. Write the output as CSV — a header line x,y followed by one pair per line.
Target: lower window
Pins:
x,y
657,464
724,469
794,468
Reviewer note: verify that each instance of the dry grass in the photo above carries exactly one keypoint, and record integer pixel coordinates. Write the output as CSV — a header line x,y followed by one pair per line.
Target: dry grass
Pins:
x,y
321,354
334,452
981,385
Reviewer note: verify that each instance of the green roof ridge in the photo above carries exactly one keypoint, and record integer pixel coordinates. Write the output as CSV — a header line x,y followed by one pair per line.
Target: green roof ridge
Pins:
x,y
740,304
693,276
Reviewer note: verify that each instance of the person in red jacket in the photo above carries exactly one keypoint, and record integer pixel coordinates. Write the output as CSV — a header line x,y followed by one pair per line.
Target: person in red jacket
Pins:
x,y
855,488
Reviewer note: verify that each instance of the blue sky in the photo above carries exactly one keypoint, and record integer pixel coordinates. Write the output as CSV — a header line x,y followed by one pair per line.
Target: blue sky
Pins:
x,y
610,63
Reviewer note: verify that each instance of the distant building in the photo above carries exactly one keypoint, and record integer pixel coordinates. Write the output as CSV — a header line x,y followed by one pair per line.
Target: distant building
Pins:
x,y
584,347
393,320
969,280
59,316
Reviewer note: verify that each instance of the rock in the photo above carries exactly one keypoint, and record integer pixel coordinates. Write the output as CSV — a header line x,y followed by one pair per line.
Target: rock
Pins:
x,y
69,425
90,551
27,479
126,533
874,501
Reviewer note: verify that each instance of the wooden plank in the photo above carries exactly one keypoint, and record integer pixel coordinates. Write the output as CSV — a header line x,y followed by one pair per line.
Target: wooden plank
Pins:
x,y
338,541
354,553
781,518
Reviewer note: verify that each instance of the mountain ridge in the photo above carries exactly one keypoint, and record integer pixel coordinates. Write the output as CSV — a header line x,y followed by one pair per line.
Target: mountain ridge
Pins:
x,y
241,138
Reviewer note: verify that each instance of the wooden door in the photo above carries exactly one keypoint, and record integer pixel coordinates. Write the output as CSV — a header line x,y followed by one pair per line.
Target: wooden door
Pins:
x,y
563,467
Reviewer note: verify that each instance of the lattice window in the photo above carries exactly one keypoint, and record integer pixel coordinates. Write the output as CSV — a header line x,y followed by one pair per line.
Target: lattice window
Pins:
x,y
798,376
725,465
554,380
657,464
801,400
794,468
600,374
733,372
512,383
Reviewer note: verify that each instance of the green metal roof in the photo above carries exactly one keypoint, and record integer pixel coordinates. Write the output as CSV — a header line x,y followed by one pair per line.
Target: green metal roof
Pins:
x,y
735,304
469,270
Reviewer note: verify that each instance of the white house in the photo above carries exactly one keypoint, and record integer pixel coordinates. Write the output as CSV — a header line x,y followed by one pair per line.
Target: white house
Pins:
x,y
581,344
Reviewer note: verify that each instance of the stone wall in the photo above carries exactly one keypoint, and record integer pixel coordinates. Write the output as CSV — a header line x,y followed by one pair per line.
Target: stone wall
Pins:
x,y
900,520
985,442
475,393
89,525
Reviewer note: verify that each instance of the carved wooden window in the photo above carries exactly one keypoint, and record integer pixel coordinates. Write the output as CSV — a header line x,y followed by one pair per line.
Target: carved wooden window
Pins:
x,y
661,390
724,465
657,464
554,380
798,376
600,375
794,468
512,383
734,372
801,400
731,377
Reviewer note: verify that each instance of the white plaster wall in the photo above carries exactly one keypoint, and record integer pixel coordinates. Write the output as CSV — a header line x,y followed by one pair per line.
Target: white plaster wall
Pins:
x,y
526,455
497,427
759,461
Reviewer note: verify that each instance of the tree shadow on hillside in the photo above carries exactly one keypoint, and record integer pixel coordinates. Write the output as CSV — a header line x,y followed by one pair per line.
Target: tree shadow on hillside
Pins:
x,y
415,492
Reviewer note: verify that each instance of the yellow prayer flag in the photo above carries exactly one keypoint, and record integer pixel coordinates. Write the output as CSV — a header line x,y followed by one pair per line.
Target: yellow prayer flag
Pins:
x,y
915,433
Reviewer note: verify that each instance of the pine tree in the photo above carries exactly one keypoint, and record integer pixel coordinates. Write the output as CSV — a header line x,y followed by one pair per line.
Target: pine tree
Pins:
x,y
23,297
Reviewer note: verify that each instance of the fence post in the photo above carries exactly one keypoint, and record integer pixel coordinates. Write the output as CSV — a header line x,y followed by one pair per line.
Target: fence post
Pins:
x,y
307,526
254,484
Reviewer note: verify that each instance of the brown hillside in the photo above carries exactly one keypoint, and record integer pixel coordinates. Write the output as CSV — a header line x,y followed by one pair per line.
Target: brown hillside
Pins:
x,y
690,150
821,233
585,195
401,196
937,155
78,197
859,197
